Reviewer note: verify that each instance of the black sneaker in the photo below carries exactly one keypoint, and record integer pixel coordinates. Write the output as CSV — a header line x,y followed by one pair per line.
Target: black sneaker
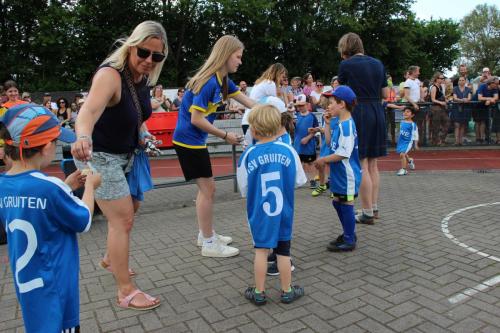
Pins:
x,y
296,292
271,257
341,246
365,219
255,298
312,184
272,269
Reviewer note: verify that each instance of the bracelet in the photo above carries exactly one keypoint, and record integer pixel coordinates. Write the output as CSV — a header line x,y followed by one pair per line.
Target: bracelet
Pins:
x,y
225,136
85,137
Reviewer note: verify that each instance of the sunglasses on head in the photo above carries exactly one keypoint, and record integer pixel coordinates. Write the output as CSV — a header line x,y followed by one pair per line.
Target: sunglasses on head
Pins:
x,y
145,53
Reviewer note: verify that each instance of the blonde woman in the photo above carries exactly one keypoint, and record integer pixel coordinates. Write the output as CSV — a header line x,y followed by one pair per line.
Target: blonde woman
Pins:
x,y
267,84
205,92
159,102
107,131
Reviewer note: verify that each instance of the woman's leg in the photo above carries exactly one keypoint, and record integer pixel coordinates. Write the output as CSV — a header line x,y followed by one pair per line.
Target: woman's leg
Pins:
x,y
120,216
205,205
375,178
457,133
366,187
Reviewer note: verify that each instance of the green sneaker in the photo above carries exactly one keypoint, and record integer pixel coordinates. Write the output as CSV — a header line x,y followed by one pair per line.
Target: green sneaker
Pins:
x,y
292,295
255,298
318,190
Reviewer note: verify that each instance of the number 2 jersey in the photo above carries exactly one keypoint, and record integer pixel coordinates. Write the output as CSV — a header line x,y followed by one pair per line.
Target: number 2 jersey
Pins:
x,y
41,218
267,175
345,175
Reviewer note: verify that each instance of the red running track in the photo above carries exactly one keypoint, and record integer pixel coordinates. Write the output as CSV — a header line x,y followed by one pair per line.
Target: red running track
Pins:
x,y
425,160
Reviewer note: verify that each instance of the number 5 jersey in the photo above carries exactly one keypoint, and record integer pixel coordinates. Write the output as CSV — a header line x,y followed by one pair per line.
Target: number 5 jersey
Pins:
x,y
41,218
267,175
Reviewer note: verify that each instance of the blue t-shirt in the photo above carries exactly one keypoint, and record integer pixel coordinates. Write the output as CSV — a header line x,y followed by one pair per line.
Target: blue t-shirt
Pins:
x,y
485,92
301,126
207,101
408,133
41,218
345,175
267,175
285,138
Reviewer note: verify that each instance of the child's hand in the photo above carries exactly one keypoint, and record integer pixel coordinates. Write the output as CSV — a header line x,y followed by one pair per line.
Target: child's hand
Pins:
x,y
93,179
320,162
305,140
75,180
327,117
311,130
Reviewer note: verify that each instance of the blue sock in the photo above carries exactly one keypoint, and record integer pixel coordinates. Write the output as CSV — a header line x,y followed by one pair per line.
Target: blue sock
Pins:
x,y
336,205
348,223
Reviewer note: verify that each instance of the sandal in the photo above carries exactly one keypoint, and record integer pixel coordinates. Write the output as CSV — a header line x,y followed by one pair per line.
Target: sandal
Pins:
x,y
125,302
106,266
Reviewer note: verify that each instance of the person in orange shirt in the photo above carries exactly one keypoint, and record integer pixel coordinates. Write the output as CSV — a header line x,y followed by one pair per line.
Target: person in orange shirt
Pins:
x,y
10,87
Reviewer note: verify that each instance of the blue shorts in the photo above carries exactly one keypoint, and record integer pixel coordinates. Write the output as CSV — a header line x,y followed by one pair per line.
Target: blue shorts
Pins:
x,y
266,233
404,147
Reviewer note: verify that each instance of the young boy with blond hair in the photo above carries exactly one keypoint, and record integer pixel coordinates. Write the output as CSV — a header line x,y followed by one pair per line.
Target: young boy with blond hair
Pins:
x,y
267,174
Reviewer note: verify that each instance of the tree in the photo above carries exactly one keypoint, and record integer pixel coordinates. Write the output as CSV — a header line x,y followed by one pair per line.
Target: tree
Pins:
x,y
480,42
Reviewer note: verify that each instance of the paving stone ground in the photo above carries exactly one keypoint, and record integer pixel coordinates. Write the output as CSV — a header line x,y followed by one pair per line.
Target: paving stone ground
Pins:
x,y
399,279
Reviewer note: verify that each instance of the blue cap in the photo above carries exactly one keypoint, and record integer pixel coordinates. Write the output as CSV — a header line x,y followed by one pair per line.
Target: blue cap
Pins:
x,y
345,93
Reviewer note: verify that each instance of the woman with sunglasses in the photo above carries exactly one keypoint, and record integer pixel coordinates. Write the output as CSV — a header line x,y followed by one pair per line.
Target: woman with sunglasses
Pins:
x,y
207,90
109,128
439,113
63,112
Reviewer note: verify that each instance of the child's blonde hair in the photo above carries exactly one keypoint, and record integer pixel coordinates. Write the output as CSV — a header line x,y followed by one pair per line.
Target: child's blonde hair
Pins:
x,y
265,120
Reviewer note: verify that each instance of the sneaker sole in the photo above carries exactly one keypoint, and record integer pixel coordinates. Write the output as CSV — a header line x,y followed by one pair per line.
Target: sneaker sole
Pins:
x,y
219,255
200,243
332,249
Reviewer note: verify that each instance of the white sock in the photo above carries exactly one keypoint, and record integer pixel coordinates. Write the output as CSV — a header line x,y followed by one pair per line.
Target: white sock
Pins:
x,y
375,207
368,212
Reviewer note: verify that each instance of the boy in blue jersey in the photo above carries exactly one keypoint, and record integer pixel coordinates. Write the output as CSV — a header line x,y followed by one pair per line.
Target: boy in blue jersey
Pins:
x,y
41,218
304,140
345,169
408,134
267,174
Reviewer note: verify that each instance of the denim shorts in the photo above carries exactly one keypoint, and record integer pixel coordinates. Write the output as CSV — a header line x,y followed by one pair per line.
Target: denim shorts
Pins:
x,y
112,168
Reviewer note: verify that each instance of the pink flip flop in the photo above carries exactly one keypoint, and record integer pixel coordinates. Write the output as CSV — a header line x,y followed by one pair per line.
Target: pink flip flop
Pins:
x,y
125,302
107,267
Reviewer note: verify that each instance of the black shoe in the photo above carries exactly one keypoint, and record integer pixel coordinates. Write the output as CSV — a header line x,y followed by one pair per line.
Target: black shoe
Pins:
x,y
272,269
340,240
271,257
296,292
255,298
341,247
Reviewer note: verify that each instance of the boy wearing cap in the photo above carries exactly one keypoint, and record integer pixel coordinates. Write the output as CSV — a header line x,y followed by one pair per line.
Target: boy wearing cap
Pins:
x,y
267,175
41,217
304,139
345,169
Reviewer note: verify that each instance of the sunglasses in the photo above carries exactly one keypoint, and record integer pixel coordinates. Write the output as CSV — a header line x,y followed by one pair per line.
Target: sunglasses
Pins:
x,y
145,53
441,78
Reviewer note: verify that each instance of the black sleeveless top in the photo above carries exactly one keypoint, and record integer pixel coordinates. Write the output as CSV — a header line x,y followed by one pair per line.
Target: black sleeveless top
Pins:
x,y
439,94
116,130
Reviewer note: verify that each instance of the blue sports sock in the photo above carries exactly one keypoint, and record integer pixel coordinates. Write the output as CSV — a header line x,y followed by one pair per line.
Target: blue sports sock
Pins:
x,y
336,205
349,223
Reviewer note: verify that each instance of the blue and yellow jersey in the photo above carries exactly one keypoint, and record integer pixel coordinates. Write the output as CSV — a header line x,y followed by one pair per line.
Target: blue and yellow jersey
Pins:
x,y
207,101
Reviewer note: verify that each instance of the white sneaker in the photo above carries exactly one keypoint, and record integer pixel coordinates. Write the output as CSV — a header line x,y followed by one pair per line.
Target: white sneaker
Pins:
x,y
402,172
226,240
218,250
411,164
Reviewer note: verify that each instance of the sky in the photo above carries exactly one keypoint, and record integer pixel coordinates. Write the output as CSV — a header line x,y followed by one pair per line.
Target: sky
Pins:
x,y
452,9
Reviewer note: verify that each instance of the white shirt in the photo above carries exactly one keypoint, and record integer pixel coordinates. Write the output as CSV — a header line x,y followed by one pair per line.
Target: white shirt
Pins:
x,y
262,89
414,87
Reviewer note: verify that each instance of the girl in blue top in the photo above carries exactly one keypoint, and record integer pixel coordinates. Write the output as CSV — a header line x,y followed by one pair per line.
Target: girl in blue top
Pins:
x,y
205,92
